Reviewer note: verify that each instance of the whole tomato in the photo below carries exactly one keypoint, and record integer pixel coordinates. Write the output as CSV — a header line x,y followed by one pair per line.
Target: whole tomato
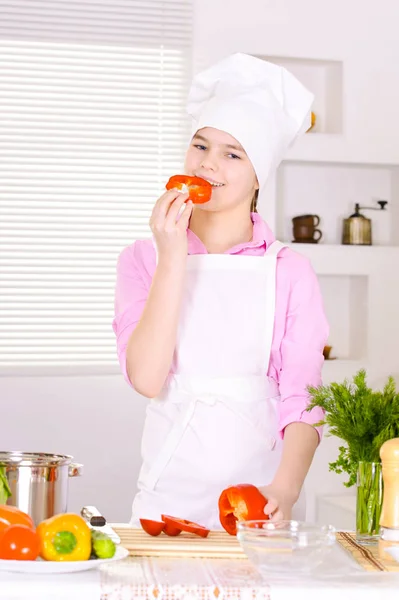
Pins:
x,y
19,542
15,516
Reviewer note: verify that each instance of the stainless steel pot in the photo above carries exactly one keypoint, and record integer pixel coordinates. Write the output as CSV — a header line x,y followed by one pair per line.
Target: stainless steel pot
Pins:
x,y
39,482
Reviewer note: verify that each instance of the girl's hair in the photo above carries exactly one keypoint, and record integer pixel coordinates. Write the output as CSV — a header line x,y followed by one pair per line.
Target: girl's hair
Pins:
x,y
254,202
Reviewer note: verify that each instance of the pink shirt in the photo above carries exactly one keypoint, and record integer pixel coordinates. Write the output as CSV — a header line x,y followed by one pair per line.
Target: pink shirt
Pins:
x,y
300,328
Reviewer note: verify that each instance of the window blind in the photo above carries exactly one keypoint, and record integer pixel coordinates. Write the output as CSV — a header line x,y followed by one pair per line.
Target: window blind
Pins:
x,y
92,104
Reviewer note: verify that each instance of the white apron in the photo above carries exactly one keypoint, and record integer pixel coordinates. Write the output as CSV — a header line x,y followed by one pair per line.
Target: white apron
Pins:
x,y
215,423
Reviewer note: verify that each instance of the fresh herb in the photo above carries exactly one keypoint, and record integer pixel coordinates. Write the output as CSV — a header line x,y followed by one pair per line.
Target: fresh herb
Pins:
x,y
362,417
5,491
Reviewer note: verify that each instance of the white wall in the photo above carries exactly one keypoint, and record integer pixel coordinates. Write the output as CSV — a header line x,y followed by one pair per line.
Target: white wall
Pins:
x,y
347,53
99,419
361,34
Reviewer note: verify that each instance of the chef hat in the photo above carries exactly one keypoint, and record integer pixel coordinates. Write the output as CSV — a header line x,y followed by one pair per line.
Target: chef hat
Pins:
x,y
263,106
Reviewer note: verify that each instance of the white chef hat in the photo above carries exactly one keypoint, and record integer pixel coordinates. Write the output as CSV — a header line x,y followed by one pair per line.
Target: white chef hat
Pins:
x,y
263,106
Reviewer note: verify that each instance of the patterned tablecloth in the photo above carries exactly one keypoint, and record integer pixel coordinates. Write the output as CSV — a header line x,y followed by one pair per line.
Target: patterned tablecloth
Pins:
x,y
233,579
203,579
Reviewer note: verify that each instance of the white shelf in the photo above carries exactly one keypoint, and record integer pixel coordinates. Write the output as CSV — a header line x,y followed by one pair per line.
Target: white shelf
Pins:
x,y
331,192
324,78
336,149
330,259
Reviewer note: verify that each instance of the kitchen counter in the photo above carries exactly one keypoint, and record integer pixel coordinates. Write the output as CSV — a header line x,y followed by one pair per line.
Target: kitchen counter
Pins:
x,y
202,579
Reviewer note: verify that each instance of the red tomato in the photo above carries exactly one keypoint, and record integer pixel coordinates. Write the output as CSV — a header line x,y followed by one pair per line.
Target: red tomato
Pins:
x,y
184,525
19,542
15,516
152,527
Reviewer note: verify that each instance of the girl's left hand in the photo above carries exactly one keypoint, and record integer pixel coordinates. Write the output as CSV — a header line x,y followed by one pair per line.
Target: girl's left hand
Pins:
x,y
279,502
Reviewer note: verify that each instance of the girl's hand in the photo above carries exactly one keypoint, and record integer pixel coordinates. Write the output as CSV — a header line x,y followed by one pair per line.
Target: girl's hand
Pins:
x,y
279,502
169,222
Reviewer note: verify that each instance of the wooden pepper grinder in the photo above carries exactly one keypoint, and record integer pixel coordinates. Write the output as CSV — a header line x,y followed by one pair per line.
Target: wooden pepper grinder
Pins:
x,y
389,519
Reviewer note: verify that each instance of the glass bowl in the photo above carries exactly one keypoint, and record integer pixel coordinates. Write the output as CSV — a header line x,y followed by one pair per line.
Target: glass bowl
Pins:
x,y
285,547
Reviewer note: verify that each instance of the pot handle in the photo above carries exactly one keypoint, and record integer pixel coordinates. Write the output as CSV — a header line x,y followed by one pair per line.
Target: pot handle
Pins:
x,y
75,470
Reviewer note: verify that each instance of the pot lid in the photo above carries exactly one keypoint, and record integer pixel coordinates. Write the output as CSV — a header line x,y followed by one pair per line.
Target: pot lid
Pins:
x,y
33,459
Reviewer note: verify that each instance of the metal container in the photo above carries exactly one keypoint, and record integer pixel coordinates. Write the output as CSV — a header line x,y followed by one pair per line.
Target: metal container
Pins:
x,y
39,481
357,230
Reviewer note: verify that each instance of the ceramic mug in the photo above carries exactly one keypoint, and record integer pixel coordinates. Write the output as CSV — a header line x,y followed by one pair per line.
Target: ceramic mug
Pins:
x,y
305,229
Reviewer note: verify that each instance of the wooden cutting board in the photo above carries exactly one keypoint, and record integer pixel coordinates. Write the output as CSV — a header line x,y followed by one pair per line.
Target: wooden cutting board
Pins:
x,y
218,544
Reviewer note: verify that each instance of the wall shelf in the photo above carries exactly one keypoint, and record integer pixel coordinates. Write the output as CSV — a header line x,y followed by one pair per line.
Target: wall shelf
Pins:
x,y
331,191
323,78
330,259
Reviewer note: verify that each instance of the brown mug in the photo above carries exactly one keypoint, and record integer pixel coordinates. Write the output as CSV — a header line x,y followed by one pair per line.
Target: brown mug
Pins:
x,y
304,229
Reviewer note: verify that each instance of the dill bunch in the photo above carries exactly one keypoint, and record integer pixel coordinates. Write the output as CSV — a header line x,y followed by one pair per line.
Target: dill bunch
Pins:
x,y
362,417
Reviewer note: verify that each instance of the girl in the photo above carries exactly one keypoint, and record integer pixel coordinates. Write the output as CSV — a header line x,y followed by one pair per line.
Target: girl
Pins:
x,y
219,324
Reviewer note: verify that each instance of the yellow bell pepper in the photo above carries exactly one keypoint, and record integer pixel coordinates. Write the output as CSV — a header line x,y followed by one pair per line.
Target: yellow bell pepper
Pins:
x,y
64,537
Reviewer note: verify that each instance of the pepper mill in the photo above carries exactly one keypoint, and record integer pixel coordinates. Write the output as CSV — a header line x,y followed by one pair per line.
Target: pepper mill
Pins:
x,y
389,519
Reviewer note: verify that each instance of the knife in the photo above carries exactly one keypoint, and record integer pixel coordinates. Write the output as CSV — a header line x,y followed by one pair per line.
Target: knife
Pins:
x,y
96,521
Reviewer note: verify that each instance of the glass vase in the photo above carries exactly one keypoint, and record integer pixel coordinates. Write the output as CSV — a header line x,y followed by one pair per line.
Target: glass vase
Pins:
x,y
368,502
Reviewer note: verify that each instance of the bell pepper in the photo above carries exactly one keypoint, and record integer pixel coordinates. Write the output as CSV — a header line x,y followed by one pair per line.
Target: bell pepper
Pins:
x,y
64,537
152,527
184,525
198,189
242,502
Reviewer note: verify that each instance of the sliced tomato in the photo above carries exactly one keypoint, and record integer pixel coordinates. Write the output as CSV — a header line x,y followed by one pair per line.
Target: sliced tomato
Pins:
x,y
15,516
152,527
19,542
184,525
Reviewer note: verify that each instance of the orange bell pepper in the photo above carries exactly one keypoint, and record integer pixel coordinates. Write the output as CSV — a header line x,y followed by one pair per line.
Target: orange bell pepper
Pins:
x,y
242,502
199,189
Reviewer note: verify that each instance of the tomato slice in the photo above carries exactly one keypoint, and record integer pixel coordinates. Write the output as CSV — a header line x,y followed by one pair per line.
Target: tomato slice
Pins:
x,y
198,189
184,525
15,516
19,542
152,527
242,502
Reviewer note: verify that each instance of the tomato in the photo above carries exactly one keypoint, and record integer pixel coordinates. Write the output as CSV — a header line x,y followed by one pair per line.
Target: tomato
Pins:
x,y
184,525
15,516
152,527
242,502
19,542
198,189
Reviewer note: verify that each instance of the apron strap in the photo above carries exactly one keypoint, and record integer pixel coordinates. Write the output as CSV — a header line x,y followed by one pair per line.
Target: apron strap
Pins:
x,y
270,308
275,248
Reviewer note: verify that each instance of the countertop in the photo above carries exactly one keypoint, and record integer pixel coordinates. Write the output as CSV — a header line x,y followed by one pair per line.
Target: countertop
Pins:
x,y
202,579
